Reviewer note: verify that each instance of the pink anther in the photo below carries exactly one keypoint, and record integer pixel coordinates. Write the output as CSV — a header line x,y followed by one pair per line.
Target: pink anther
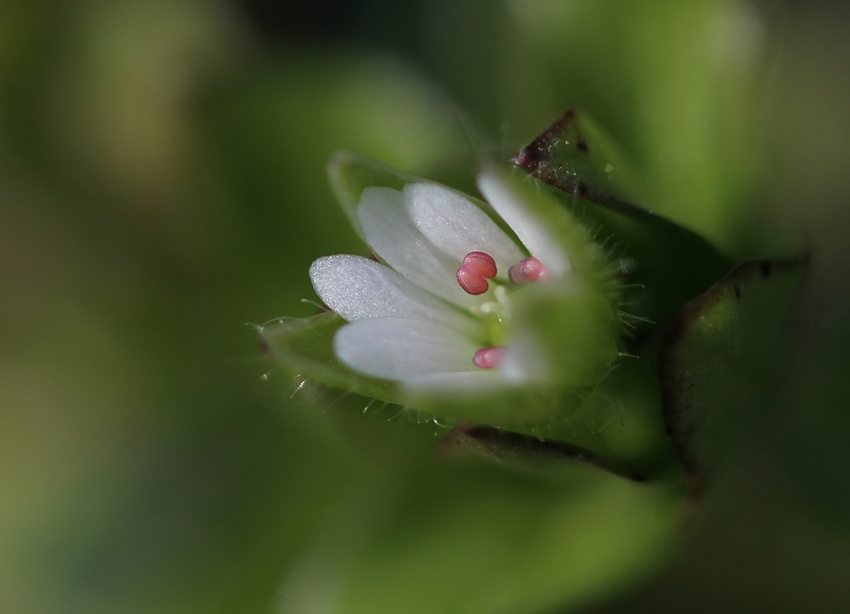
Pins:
x,y
476,269
530,269
488,358
482,263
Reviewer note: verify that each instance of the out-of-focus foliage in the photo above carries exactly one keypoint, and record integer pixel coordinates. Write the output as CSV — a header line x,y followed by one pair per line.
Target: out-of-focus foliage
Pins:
x,y
162,182
719,353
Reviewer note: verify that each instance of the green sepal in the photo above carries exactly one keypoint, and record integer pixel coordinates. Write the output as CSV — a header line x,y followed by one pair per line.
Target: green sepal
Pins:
x,y
574,329
522,408
349,174
304,346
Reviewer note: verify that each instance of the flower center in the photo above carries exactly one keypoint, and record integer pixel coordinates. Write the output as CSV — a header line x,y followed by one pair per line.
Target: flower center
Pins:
x,y
473,275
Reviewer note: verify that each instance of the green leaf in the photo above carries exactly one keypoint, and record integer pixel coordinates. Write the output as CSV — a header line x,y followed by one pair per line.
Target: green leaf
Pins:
x,y
477,537
718,356
662,265
304,346
523,450
576,156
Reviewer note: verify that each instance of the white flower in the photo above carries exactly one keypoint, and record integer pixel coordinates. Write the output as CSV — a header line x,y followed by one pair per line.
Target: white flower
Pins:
x,y
435,311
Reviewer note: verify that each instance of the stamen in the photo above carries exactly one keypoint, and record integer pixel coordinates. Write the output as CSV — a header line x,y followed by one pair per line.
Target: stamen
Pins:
x,y
476,269
488,358
530,269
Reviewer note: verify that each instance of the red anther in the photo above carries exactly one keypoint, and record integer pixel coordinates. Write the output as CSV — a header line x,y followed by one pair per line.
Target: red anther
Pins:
x,y
476,269
489,358
471,282
481,263
530,269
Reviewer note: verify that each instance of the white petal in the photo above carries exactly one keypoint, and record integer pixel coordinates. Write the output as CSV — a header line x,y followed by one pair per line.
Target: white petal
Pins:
x,y
391,234
521,365
396,349
457,226
457,382
533,234
356,288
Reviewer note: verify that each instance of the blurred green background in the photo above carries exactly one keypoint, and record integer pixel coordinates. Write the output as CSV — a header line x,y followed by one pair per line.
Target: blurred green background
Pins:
x,y
162,183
